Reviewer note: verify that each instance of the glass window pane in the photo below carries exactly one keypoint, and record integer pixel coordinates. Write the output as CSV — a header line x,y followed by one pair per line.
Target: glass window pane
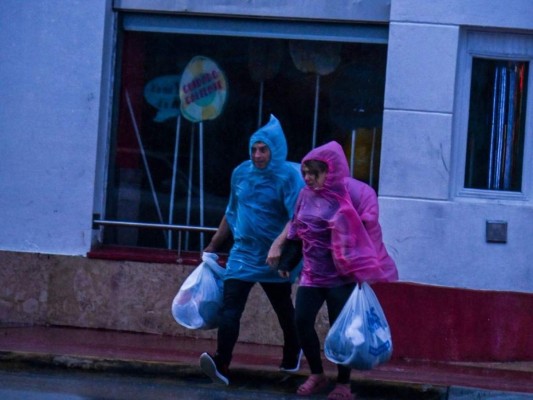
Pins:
x,y
495,148
320,91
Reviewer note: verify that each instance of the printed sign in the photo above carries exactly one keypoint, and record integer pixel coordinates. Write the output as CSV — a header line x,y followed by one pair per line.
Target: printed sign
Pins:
x,y
202,90
163,94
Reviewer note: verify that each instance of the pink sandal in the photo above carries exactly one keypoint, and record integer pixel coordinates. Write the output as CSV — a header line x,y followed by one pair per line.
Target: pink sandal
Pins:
x,y
313,384
341,392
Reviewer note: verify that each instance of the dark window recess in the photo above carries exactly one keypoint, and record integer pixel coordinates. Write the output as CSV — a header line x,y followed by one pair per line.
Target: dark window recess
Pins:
x,y
161,164
496,126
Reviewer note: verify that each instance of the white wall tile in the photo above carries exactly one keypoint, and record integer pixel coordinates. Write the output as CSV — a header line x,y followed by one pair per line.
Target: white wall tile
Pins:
x,y
415,155
421,67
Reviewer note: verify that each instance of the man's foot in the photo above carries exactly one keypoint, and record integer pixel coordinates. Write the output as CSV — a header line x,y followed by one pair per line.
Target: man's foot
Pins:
x,y
314,384
218,373
291,365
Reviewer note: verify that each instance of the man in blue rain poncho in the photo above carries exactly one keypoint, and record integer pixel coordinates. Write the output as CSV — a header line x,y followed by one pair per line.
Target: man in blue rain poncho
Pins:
x,y
264,190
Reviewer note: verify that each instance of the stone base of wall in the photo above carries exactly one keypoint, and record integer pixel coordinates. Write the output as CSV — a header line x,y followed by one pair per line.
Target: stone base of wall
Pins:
x,y
427,322
118,295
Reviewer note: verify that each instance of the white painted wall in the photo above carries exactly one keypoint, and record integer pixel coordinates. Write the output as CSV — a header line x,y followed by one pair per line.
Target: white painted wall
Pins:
x,y
50,74
434,237
54,110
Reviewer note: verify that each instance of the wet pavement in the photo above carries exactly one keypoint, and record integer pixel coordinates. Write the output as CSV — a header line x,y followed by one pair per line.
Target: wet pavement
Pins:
x,y
40,382
174,360
69,384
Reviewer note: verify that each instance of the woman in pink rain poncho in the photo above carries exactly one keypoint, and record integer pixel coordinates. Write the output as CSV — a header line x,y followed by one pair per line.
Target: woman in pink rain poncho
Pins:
x,y
336,220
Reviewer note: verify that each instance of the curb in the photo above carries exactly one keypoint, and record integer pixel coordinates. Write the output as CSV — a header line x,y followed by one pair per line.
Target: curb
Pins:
x,y
242,378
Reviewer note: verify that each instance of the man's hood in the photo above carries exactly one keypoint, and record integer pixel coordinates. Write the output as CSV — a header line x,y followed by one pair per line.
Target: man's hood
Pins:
x,y
272,135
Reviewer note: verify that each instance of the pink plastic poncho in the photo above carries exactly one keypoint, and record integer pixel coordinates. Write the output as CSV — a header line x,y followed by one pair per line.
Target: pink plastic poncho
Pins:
x,y
339,227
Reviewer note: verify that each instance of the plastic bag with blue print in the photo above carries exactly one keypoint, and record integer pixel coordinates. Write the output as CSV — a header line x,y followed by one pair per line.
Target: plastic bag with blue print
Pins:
x,y
360,338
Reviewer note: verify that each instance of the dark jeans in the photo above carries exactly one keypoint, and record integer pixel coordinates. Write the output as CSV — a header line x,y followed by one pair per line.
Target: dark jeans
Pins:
x,y
235,296
309,300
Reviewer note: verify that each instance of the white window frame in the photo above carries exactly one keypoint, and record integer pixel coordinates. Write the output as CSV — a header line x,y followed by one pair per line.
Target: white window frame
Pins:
x,y
493,45
260,28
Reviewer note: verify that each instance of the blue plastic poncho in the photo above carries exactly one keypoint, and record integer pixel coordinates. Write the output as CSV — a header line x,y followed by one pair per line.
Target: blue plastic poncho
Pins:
x,y
261,203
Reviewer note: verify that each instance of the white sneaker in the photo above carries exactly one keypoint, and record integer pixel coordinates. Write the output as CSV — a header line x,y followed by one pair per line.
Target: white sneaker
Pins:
x,y
292,368
209,367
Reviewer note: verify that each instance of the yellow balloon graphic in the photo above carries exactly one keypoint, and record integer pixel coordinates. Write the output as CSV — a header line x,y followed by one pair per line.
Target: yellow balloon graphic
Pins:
x,y
203,88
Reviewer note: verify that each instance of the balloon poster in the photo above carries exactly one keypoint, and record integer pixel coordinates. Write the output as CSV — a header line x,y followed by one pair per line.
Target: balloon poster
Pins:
x,y
202,90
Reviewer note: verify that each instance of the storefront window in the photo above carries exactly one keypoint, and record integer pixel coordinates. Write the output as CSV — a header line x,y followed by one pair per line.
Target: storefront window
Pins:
x,y
163,163
496,126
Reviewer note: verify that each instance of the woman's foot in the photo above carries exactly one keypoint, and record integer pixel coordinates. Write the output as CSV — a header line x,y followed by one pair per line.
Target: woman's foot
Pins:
x,y
314,384
341,392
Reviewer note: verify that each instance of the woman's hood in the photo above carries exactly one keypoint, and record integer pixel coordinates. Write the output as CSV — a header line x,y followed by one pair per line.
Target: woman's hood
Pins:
x,y
333,155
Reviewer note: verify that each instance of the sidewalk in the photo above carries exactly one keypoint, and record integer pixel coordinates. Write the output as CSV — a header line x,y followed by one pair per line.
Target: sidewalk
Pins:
x,y
178,356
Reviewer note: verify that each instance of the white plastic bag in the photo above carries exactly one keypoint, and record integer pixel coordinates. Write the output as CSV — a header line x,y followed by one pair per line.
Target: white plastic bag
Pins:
x,y
198,301
360,338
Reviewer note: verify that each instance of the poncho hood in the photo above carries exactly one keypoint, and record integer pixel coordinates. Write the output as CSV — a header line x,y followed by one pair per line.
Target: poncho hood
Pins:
x,y
333,155
273,136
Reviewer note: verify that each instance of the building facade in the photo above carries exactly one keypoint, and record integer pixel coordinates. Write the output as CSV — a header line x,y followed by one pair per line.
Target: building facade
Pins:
x,y
122,120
